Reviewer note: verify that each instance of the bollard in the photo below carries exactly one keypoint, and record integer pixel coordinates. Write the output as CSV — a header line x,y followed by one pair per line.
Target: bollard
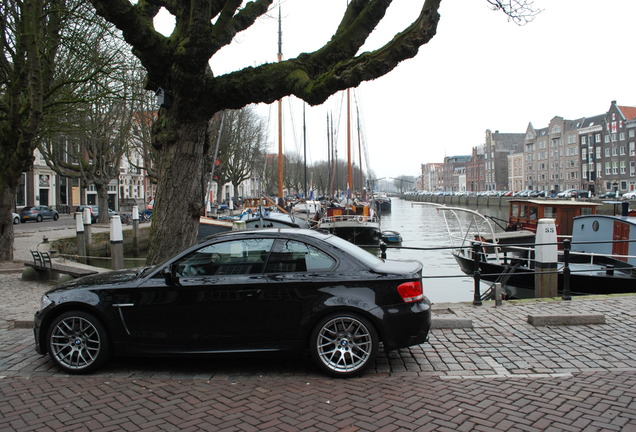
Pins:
x,y
81,238
566,269
135,224
116,243
498,294
546,259
88,237
383,249
477,273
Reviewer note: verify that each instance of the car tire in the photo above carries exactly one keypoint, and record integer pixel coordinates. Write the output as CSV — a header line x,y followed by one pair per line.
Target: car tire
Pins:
x,y
56,216
16,220
39,218
344,344
77,342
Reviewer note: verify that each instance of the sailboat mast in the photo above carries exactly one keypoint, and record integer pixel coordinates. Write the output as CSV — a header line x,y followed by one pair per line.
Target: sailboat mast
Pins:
x,y
305,150
280,117
349,171
360,151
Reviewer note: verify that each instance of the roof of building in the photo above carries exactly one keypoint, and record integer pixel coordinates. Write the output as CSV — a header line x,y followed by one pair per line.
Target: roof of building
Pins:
x,y
628,111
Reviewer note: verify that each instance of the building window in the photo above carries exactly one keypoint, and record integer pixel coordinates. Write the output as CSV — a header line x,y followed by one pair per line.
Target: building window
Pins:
x,y
598,138
632,149
583,140
598,153
614,151
623,167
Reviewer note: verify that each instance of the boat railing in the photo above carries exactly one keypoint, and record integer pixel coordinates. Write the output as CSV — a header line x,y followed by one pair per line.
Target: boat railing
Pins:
x,y
350,218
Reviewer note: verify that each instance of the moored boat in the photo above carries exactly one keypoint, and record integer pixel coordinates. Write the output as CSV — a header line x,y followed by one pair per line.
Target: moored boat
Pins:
x,y
508,257
391,237
357,223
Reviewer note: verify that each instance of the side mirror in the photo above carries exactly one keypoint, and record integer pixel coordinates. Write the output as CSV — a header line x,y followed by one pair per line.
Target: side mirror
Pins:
x,y
170,275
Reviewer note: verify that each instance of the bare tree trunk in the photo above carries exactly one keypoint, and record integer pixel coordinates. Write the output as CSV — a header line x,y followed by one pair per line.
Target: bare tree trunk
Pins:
x,y
180,193
102,203
7,198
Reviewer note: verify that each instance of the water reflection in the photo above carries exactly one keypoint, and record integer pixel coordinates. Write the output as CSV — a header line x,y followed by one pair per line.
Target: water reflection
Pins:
x,y
422,226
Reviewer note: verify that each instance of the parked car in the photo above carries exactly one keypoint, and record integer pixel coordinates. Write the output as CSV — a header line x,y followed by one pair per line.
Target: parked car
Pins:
x,y
38,213
15,218
242,291
94,211
629,195
608,194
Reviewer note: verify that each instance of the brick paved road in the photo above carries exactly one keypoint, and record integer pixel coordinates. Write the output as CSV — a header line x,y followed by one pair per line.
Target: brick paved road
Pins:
x,y
585,402
503,374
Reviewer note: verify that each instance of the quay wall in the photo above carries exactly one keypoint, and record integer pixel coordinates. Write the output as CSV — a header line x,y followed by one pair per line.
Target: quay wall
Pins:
x,y
473,202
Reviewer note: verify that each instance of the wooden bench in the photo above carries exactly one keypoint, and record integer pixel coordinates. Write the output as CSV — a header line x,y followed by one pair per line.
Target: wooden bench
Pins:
x,y
48,270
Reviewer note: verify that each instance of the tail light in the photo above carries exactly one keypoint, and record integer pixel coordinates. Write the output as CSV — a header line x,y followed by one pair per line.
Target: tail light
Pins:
x,y
411,291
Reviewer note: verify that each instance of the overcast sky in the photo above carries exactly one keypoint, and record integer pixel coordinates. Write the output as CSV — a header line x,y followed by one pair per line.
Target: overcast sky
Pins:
x,y
479,72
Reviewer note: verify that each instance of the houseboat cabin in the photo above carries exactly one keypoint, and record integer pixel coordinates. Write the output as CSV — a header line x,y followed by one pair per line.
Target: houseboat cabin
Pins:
x,y
524,214
607,235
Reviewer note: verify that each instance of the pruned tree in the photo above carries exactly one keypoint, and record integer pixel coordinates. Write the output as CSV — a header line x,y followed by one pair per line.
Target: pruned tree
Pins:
x,y
93,155
179,65
241,144
249,134
47,59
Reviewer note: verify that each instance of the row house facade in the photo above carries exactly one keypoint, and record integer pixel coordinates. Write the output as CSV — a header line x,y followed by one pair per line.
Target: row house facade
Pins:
x,y
497,147
551,156
475,171
454,173
431,177
608,151
597,154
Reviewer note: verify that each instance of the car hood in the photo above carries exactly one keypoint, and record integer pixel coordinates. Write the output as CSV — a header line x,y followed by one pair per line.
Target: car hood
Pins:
x,y
107,278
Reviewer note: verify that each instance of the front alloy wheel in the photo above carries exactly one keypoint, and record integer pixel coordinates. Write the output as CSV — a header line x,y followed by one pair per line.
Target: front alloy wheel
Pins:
x,y
77,342
344,344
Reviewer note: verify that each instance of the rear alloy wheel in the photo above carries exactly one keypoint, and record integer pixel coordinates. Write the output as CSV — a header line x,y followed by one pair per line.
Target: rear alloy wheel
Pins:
x,y
77,342
344,344
39,218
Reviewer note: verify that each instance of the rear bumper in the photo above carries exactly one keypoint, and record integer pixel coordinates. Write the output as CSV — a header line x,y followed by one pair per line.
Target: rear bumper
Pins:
x,y
406,325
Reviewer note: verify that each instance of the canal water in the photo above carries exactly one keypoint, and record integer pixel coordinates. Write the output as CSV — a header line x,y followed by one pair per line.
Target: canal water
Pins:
x,y
422,226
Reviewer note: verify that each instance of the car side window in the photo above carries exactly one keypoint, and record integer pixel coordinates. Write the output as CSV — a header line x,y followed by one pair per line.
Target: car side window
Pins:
x,y
245,256
294,256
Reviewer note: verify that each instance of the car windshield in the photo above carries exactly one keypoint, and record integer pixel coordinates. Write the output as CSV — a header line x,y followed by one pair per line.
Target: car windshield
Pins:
x,y
361,254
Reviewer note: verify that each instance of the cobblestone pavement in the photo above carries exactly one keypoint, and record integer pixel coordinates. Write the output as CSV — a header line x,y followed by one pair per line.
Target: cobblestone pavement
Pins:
x,y
501,374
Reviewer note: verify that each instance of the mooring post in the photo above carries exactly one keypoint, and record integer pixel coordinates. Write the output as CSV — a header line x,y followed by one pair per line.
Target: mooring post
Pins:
x,y
567,245
477,273
135,224
383,249
88,220
546,258
116,243
81,239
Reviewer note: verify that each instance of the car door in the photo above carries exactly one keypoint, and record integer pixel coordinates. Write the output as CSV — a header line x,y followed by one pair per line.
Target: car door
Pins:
x,y
298,275
209,302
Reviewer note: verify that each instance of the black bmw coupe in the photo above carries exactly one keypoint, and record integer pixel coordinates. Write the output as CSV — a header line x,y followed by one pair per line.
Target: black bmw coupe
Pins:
x,y
242,291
